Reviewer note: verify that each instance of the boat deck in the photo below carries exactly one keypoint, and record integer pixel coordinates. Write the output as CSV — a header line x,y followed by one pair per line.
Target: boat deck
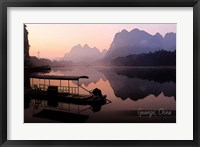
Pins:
x,y
59,93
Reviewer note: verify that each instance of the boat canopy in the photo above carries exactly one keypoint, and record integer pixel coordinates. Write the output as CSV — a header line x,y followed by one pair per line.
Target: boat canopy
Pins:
x,y
59,77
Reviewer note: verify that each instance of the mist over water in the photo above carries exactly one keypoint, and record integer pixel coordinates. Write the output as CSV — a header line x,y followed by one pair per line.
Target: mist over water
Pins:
x,y
136,94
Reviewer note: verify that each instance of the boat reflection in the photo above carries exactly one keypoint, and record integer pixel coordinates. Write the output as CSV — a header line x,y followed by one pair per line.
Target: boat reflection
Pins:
x,y
63,112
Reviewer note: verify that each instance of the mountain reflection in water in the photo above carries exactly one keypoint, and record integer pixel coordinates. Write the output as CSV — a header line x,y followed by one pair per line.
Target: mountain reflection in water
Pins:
x,y
139,83
130,90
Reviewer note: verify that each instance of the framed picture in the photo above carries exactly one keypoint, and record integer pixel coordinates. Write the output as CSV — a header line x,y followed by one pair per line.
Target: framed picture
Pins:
x,y
104,73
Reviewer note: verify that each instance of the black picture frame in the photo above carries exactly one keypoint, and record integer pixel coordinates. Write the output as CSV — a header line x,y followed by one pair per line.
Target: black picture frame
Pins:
x,y
4,4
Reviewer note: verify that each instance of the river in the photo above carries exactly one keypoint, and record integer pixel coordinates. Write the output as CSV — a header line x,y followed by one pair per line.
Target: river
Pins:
x,y
136,95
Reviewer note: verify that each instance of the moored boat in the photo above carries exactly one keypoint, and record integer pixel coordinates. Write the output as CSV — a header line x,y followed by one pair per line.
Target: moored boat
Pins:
x,y
68,94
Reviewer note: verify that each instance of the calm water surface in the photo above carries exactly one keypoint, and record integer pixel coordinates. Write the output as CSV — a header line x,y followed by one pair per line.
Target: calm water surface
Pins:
x,y
144,95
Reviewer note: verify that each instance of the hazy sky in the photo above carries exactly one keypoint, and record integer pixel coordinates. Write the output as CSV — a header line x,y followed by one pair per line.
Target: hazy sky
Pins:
x,y
54,40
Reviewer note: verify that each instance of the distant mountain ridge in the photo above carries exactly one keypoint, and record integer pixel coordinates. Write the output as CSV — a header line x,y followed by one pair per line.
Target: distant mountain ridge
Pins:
x,y
124,44
84,53
138,41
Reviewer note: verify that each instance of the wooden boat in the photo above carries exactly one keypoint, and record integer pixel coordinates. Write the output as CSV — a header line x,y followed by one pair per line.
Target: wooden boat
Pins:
x,y
87,100
68,94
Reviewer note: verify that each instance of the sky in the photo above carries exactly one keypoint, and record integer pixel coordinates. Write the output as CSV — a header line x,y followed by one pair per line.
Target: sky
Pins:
x,y
54,40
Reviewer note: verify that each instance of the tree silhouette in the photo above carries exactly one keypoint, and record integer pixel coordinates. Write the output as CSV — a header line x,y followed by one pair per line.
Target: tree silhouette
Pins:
x,y
157,58
26,46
